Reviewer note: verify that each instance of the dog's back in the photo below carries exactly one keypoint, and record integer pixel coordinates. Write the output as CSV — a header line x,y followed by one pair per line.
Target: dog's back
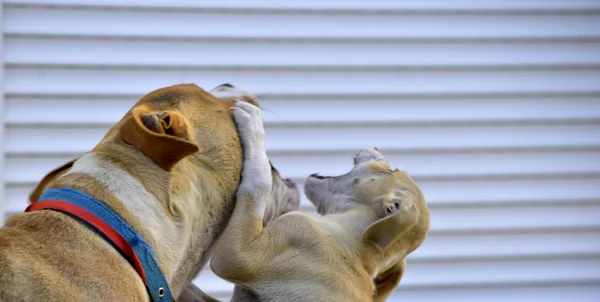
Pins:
x,y
49,256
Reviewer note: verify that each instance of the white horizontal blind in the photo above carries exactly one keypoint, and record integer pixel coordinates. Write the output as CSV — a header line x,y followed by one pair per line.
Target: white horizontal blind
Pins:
x,y
3,200
492,106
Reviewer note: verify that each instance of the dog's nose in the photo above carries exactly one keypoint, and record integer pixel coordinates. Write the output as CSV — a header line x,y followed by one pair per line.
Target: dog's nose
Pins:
x,y
226,85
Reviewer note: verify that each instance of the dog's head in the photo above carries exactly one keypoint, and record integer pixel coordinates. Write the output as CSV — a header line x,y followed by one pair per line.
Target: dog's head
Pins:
x,y
170,124
184,121
393,196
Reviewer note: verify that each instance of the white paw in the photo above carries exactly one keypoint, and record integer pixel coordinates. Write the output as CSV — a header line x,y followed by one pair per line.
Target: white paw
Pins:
x,y
256,174
249,125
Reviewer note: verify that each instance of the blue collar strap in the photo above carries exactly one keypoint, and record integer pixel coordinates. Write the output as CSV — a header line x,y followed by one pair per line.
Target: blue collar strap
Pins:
x,y
156,284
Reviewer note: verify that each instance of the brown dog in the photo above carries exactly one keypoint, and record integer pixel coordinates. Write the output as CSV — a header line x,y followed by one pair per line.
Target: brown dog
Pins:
x,y
170,169
373,217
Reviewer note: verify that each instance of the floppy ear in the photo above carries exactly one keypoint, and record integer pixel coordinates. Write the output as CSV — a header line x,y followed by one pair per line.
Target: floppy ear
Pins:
x,y
386,230
165,137
51,176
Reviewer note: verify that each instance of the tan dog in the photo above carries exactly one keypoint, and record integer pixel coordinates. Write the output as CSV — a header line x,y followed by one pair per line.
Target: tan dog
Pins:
x,y
373,217
170,169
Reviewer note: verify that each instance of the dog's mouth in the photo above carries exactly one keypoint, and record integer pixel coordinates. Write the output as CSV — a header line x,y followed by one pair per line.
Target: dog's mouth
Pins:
x,y
319,176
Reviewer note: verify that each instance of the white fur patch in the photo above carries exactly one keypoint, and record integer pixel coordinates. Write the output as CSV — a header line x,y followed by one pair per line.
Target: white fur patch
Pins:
x,y
141,203
256,173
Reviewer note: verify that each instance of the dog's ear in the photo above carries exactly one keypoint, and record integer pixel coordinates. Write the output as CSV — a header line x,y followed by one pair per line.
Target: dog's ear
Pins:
x,y
51,176
387,230
165,136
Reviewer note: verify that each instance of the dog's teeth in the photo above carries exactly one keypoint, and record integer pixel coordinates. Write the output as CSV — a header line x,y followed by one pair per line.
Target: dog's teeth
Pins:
x,y
390,210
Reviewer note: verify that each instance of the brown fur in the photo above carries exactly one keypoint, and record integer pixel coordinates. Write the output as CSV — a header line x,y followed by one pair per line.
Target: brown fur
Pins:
x,y
51,176
180,142
373,218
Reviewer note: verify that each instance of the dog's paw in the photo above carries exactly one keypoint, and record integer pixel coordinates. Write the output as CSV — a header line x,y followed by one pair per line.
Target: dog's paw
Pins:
x,y
250,126
367,155
256,174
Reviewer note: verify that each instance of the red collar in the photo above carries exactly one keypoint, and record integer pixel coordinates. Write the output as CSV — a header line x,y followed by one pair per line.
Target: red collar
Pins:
x,y
102,227
115,230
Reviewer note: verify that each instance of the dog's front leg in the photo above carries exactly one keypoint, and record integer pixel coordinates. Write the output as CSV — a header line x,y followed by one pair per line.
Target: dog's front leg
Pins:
x,y
256,174
239,248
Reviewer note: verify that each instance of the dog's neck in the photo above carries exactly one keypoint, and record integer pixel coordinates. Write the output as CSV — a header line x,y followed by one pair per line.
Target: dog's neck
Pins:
x,y
350,223
146,212
348,226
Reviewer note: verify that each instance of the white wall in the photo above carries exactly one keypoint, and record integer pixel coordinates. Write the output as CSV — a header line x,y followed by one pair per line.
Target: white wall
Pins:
x,y
492,106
